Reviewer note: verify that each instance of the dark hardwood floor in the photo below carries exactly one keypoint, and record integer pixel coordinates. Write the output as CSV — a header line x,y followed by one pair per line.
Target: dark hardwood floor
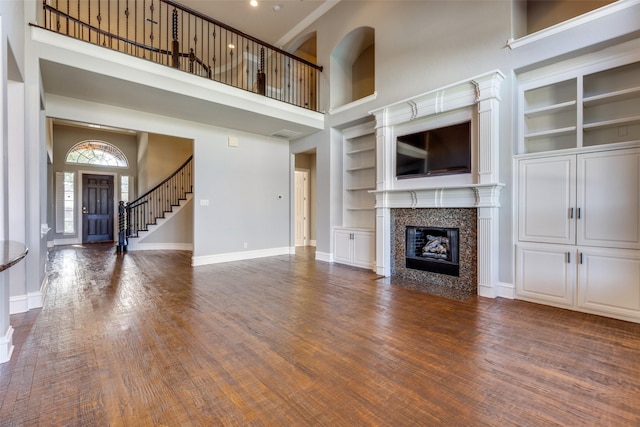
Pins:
x,y
146,339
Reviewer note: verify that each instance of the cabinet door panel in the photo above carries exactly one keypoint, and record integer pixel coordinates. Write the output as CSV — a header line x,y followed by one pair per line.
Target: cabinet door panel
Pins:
x,y
342,246
609,198
609,281
546,195
363,249
546,273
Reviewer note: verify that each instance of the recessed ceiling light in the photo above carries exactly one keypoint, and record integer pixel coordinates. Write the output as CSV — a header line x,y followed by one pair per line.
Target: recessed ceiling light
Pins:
x,y
276,7
254,3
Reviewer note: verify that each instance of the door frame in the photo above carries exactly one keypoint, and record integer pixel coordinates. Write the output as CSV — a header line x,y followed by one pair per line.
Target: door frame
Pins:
x,y
307,206
116,195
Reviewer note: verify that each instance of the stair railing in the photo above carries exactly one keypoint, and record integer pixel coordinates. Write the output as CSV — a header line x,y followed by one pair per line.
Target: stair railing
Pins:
x,y
168,33
137,215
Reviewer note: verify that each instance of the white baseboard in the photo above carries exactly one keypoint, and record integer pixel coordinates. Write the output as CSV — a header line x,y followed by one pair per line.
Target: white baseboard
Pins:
x,y
502,290
239,256
6,345
506,290
29,301
18,304
70,241
161,247
324,256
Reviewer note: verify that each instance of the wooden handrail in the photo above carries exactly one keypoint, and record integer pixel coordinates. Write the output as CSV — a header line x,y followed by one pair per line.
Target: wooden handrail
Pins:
x,y
162,183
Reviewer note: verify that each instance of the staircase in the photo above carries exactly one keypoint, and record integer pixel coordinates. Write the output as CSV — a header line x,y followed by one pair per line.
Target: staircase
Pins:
x,y
142,217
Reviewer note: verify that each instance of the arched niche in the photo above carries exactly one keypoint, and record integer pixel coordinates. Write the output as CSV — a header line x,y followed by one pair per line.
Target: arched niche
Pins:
x,y
353,67
305,47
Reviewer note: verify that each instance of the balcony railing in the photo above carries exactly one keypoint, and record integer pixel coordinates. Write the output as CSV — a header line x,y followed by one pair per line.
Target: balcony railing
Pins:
x,y
170,34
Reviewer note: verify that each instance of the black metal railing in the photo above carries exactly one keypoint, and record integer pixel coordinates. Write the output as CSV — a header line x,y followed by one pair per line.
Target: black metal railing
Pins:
x,y
137,215
168,33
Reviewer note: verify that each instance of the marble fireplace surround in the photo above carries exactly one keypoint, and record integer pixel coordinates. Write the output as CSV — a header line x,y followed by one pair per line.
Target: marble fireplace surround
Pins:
x,y
481,96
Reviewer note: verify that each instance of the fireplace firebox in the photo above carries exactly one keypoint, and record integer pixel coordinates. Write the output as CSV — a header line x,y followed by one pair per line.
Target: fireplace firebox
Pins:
x,y
433,249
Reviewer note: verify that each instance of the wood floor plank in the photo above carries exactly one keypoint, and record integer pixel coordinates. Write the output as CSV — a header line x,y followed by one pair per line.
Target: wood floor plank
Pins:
x,y
145,339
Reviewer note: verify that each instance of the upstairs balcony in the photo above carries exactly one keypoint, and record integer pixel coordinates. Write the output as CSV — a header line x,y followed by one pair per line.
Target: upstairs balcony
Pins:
x,y
167,33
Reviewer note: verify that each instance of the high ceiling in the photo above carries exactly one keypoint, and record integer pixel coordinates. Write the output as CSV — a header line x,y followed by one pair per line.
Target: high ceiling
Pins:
x,y
273,21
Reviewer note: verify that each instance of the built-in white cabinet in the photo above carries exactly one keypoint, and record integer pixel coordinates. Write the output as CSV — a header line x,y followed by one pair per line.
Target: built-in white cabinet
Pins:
x,y
546,273
354,246
354,241
578,231
586,199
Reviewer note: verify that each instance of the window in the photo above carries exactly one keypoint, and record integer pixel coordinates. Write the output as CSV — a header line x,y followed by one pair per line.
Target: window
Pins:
x,y
97,153
65,202
126,188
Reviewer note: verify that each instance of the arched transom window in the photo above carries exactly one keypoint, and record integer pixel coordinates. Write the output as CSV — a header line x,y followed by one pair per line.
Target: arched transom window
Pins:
x,y
97,153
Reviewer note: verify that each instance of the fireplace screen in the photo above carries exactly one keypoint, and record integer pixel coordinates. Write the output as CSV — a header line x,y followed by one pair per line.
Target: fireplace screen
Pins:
x,y
432,249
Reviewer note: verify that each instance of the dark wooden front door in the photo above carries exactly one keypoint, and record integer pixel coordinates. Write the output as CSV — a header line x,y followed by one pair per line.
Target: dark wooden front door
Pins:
x,y
97,208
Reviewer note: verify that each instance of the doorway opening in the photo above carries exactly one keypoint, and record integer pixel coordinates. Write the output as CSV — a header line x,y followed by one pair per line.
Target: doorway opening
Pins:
x,y
97,208
304,199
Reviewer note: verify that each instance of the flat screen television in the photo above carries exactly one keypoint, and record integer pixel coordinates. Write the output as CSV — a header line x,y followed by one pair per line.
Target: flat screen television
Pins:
x,y
441,151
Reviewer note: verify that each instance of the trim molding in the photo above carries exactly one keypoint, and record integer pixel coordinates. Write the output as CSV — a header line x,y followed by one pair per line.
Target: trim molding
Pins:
x,y
353,104
506,290
313,16
18,304
240,256
6,345
163,247
324,256
602,12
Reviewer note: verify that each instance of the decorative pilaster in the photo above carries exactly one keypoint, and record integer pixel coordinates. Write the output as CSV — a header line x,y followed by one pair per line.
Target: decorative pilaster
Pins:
x,y
483,190
488,101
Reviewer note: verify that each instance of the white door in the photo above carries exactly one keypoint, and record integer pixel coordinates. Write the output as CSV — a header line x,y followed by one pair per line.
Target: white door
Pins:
x,y
364,249
546,273
342,246
609,281
302,208
546,200
609,199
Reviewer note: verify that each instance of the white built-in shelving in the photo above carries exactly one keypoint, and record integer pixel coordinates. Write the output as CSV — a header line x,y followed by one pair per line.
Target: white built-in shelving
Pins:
x,y
578,188
593,107
354,241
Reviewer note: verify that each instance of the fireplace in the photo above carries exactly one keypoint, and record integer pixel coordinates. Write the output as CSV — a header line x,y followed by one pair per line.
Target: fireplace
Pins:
x,y
468,201
457,271
432,249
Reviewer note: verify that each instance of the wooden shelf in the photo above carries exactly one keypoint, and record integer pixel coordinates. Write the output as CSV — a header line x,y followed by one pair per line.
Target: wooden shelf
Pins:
x,y
622,121
363,188
551,132
550,109
361,150
608,97
360,168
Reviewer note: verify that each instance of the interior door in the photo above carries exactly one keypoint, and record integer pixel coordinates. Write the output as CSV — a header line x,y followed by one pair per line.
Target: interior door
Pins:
x,y
301,208
97,208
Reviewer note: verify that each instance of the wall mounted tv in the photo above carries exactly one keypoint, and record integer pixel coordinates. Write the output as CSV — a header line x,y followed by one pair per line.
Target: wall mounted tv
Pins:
x,y
433,152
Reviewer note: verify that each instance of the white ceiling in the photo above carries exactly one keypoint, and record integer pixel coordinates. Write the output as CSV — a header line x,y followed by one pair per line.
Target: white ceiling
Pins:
x,y
263,22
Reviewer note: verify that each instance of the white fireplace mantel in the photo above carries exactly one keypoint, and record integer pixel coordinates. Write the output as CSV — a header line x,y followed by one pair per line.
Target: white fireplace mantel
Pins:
x,y
467,196
481,96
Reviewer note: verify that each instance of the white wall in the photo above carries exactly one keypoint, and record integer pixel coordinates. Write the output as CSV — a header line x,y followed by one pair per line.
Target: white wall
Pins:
x,y
248,192
423,46
241,184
